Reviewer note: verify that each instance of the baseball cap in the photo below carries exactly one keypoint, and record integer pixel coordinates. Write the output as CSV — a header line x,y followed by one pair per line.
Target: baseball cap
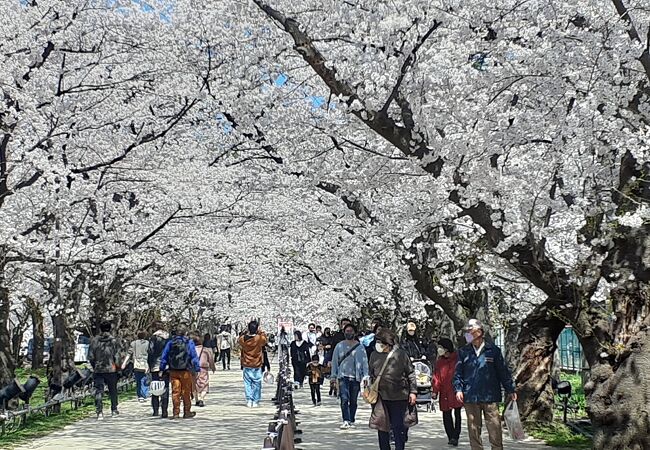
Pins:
x,y
473,324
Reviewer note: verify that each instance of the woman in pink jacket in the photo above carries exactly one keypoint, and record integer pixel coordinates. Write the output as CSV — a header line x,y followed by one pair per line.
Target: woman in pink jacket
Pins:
x,y
443,376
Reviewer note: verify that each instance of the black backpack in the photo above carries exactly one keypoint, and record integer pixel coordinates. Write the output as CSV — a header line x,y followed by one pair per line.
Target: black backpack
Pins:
x,y
179,357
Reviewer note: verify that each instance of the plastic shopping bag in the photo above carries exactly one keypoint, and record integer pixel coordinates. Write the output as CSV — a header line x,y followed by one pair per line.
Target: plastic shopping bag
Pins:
x,y
513,422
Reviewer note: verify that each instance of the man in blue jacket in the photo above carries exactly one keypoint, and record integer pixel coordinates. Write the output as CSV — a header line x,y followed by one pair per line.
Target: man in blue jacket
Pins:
x,y
181,358
481,372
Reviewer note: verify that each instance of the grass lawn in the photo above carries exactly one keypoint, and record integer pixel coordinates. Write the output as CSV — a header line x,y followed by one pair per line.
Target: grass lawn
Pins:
x,y
38,425
557,434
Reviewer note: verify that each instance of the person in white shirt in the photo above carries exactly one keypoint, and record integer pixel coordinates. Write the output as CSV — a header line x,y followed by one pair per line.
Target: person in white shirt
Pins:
x,y
312,338
224,343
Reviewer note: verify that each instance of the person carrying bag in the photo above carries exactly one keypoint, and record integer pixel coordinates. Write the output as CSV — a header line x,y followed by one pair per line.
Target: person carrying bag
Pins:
x,y
393,391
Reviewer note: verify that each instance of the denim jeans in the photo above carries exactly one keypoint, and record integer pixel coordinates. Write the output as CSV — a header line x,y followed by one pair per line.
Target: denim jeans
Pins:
x,y
141,389
396,411
349,392
253,384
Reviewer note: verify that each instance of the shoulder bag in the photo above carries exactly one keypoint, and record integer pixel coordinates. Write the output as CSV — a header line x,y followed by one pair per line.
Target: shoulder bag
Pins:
x,y
372,393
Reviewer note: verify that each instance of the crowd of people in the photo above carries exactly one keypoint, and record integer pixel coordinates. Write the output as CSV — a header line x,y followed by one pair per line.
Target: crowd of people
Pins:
x,y
163,364
379,366
375,364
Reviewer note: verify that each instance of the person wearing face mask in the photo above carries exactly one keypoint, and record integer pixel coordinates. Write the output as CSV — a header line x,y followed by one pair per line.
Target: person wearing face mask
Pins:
x,y
442,388
480,374
349,370
410,342
300,357
397,389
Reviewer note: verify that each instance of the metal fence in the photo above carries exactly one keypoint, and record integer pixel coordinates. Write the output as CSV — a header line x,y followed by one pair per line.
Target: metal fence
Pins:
x,y
569,351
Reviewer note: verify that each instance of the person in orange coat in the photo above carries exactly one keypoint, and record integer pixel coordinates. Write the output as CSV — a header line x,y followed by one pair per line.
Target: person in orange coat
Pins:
x,y
443,389
252,360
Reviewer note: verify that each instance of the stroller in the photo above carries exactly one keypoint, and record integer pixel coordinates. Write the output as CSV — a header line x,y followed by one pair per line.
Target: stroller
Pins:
x,y
423,377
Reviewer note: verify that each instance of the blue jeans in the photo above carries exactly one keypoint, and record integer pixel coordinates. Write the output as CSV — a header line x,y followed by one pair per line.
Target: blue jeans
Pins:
x,y
396,410
141,389
349,393
253,384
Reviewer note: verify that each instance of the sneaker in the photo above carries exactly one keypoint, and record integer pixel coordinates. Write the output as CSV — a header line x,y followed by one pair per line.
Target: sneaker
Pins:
x,y
318,403
249,404
164,415
155,414
115,413
200,403
189,415
345,425
100,416
454,442
256,405
140,400
352,425
174,417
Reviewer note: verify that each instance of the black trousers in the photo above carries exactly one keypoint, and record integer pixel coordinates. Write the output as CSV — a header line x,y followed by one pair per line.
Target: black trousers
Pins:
x,y
452,425
299,372
162,401
102,380
396,410
223,356
315,393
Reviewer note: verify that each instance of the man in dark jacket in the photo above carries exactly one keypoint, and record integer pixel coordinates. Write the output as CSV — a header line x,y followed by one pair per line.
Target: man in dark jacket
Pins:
x,y
157,344
480,373
181,358
104,357
339,336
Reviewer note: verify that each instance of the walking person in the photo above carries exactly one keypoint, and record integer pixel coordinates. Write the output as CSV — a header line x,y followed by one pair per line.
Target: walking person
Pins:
x,y
410,341
396,388
104,357
300,356
349,370
443,389
139,352
202,378
157,344
224,343
181,358
252,361
315,373
480,374
312,339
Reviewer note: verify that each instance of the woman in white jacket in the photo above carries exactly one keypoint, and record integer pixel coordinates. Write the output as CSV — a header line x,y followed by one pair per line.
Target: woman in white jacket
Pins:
x,y
138,352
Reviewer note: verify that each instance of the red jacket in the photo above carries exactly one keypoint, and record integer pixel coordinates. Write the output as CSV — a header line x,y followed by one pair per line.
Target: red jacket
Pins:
x,y
443,376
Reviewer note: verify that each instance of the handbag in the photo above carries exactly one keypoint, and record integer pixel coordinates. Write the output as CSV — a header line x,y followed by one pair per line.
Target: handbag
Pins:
x,y
372,393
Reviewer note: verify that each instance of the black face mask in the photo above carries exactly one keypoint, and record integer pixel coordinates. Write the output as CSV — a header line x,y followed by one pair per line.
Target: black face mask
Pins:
x,y
349,336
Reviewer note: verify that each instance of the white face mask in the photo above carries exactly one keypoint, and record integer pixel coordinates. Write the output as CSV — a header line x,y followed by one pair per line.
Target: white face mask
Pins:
x,y
381,348
441,351
469,338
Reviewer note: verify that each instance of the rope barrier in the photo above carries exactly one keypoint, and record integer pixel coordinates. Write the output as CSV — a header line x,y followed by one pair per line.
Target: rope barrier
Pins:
x,y
13,420
282,431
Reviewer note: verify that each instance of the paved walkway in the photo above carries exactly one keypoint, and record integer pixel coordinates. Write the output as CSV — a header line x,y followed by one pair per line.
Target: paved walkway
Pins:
x,y
226,423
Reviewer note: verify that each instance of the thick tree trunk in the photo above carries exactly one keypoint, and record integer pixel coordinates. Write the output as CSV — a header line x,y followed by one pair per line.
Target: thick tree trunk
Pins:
x,y
7,364
17,335
38,334
618,399
537,344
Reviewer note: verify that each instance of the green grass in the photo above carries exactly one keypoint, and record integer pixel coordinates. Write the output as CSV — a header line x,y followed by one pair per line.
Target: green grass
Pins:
x,y
38,425
559,435
577,399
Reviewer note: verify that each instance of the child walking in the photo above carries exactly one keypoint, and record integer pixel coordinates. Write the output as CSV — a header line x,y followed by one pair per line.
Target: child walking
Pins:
x,y
315,370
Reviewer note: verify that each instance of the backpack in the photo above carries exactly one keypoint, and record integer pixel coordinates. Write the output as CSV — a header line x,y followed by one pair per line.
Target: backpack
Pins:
x,y
178,358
